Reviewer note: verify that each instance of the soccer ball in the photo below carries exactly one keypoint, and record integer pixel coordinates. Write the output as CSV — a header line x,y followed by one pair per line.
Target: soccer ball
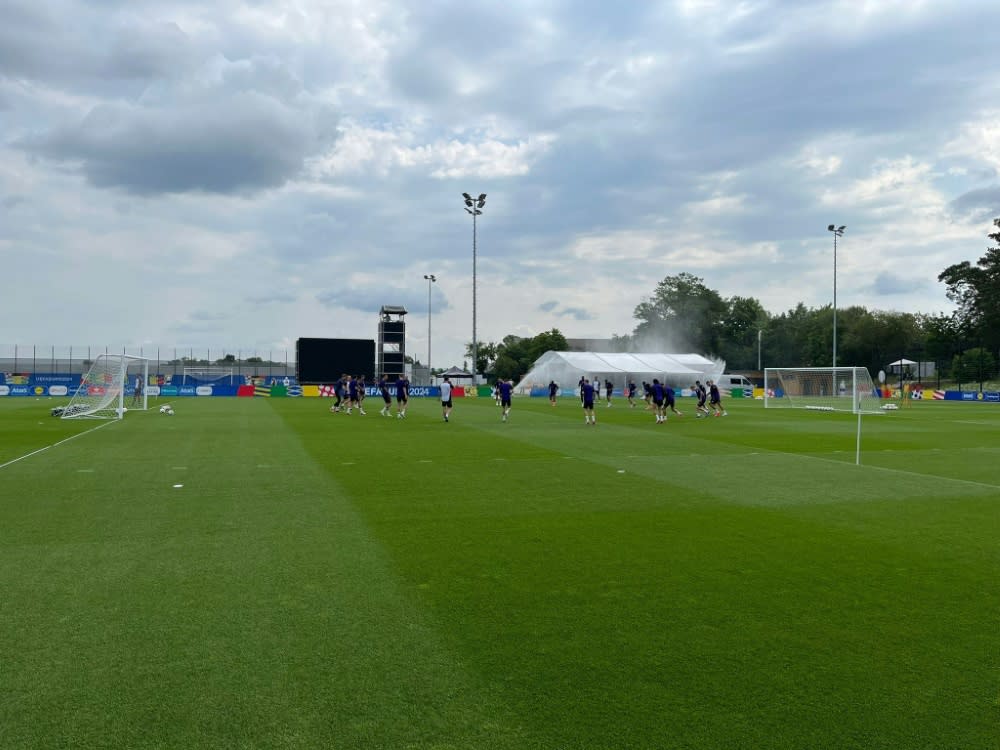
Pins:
x,y
167,409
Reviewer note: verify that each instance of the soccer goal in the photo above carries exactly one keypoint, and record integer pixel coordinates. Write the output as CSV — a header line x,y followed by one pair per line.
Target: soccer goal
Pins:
x,y
821,388
114,384
844,389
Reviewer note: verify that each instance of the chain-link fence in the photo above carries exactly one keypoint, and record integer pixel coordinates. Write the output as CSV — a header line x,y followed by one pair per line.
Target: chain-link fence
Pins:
x,y
31,359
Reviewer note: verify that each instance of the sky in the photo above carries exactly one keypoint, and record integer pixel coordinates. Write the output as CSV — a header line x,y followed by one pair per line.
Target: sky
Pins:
x,y
235,175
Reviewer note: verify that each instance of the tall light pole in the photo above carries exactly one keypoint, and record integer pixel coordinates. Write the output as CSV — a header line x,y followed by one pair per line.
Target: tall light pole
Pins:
x,y
837,232
431,278
474,206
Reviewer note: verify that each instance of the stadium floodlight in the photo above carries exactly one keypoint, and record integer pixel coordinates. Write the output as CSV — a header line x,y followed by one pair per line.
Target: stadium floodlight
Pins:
x,y
475,209
837,232
431,278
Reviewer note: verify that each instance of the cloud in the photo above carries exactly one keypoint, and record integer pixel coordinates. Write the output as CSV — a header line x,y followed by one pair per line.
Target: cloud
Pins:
x,y
977,205
308,158
890,284
242,143
362,149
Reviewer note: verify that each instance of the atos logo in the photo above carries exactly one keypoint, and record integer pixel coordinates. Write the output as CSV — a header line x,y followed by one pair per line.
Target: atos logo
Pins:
x,y
20,390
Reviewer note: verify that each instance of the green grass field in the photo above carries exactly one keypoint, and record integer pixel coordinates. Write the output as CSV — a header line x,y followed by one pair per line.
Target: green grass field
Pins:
x,y
261,573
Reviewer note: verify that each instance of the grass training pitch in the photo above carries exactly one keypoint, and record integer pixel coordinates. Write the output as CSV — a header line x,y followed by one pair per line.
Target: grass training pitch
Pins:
x,y
261,573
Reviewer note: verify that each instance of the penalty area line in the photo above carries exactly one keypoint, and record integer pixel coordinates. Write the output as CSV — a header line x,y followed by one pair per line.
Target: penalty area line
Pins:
x,y
64,440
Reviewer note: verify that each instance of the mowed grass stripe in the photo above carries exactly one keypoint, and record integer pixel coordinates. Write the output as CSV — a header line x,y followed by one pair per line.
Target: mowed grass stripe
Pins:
x,y
251,607
677,612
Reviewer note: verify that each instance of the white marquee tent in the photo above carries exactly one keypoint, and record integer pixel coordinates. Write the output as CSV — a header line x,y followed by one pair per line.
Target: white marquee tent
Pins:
x,y
566,369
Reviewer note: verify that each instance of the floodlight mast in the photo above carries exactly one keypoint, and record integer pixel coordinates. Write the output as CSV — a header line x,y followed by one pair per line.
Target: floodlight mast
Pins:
x,y
474,206
431,278
837,232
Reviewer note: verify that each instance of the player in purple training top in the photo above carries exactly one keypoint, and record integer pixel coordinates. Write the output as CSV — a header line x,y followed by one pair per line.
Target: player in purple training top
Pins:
x,y
352,393
658,395
506,389
361,393
609,389
383,388
702,395
553,392
402,396
715,399
587,397
631,393
669,400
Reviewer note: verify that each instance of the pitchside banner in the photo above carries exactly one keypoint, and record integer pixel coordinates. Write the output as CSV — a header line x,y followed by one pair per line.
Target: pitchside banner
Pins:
x,y
62,385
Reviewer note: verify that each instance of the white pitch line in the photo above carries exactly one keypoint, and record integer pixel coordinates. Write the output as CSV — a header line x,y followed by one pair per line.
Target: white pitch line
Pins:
x,y
65,440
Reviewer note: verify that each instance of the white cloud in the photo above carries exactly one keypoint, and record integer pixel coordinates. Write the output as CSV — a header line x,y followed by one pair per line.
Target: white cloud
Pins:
x,y
361,149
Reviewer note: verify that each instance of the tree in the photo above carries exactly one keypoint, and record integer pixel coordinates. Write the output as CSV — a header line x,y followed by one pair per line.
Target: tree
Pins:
x,y
516,355
744,317
486,355
974,366
682,313
975,289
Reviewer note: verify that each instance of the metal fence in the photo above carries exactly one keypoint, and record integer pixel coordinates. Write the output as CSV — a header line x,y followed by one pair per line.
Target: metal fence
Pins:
x,y
47,358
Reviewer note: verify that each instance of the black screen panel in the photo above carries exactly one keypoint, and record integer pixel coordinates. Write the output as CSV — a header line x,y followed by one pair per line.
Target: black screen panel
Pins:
x,y
322,361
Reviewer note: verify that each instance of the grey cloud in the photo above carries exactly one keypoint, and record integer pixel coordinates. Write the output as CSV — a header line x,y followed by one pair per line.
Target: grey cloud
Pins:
x,y
371,299
12,201
271,298
890,284
233,144
90,46
576,313
977,205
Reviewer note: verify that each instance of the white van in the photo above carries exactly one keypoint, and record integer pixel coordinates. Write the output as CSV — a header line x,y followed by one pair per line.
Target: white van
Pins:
x,y
734,381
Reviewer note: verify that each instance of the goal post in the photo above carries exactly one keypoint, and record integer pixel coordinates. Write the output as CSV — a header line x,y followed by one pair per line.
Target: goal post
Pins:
x,y
848,389
114,384
831,389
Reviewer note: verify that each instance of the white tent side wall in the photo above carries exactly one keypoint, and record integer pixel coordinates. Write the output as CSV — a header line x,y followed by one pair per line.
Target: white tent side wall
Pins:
x,y
566,369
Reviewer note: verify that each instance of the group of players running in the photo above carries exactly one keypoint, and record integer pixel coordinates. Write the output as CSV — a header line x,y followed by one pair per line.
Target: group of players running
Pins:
x,y
349,392
659,397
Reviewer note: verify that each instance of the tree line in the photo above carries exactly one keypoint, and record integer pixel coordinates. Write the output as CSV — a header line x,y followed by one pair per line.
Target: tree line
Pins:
x,y
684,314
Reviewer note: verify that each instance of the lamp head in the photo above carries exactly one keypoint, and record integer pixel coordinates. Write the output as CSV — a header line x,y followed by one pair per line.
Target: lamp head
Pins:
x,y
831,228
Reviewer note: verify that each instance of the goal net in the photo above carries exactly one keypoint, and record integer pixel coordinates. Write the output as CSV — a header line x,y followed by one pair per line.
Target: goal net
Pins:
x,y
114,384
822,388
212,375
